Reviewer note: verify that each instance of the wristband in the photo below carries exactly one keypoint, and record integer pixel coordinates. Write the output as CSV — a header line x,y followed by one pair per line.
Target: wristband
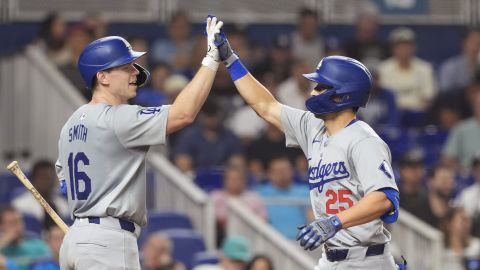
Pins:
x,y
237,70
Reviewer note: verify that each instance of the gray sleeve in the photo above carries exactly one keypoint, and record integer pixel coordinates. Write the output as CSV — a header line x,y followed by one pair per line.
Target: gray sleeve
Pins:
x,y
295,125
372,162
140,126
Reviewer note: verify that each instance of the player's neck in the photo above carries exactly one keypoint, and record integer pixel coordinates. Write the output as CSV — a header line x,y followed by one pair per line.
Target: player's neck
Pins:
x,y
337,121
105,97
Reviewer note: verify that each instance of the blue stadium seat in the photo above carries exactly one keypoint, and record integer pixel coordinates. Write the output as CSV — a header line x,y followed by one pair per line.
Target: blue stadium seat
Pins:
x,y
168,220
205,257
186,243
32,224
10,186
432,140
158,221
209,179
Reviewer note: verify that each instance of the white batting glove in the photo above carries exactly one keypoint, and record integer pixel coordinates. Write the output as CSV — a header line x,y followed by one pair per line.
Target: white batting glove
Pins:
x,y
212,59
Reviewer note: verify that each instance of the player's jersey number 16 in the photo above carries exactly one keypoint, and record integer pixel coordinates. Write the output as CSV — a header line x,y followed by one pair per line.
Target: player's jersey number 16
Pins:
x,y
80,183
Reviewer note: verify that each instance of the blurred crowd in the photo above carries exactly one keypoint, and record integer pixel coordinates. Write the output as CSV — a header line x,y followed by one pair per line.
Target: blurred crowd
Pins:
x,y
428,115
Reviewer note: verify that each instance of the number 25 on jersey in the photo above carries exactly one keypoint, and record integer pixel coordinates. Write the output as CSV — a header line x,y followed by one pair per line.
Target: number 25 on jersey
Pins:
x,y
337,201
80,183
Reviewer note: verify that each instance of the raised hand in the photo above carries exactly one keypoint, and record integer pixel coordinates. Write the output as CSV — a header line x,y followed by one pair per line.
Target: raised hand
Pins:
x,y
212,28
311,236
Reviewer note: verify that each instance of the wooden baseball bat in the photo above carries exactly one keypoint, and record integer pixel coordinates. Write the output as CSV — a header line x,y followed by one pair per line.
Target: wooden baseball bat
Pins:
x,y
15,169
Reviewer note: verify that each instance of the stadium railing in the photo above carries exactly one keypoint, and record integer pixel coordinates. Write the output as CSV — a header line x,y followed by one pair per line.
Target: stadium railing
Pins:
x,y
264,239
175,191
35,101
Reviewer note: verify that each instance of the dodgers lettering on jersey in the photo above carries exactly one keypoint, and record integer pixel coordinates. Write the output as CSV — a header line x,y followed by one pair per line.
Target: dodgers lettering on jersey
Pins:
x,y
322,174
342,169
101,157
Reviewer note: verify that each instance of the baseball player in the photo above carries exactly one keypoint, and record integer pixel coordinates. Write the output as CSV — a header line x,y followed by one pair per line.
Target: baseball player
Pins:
x,y
352,186
102,150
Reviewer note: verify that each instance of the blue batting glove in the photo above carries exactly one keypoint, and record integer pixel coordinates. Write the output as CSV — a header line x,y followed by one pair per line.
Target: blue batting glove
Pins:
x,y
226,53
63,187
311,236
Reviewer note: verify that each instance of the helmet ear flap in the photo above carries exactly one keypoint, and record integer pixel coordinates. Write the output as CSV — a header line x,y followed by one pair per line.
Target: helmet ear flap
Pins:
x,y
143,76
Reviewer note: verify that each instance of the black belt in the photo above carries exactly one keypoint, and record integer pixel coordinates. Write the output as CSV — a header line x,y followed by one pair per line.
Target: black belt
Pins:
x,y
124,224
335,255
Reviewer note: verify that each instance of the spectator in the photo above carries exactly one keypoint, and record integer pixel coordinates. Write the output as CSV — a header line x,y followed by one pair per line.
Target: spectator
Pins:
x,y
13,242
307,44
51,39
441,184
413,196
260,262
44,179
54,239
96,25
78,38
246,124
463,143
382,109
295,90
284,217
460,245
157,254
208,143
235,253
177,49
469,198
271,144
366,46
410,78
278,61
235,186
457,72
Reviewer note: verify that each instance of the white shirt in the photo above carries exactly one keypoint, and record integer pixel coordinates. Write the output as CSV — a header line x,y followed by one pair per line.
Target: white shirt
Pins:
x,y
469,200
27,204
413,87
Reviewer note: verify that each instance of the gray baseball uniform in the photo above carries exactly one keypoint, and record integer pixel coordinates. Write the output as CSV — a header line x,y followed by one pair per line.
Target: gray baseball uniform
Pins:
x,y
343,168
102,151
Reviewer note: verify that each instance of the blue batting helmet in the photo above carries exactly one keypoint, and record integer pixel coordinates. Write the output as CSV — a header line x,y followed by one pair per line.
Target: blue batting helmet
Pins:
x,y
109,52
345,78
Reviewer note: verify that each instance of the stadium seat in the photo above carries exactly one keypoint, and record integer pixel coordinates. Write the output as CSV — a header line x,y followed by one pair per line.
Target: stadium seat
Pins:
x,y
209,179
186,243
158,221
10,186
205,257
168,220
32,224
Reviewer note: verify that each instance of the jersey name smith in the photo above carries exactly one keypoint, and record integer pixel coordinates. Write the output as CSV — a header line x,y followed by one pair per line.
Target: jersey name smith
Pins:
x,y
77,133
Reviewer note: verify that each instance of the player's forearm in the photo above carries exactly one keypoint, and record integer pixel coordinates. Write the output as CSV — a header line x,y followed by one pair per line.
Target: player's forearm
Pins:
x,y
259,98
367,209
191,98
